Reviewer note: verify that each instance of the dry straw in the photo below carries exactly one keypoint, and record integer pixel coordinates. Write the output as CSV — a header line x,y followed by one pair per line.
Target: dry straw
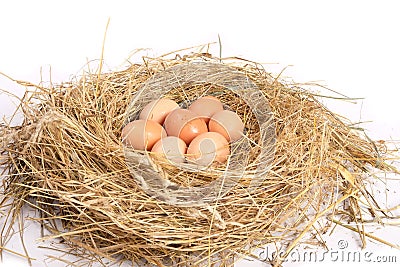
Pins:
x,y
67,161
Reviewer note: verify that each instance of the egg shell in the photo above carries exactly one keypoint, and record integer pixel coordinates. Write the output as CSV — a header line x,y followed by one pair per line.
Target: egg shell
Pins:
x,y
172,148
158,110
142,134
206,106
227,123
208,148
184,124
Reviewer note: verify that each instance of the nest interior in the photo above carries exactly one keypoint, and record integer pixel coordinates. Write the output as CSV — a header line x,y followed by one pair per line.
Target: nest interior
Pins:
x,y
187,94
67,161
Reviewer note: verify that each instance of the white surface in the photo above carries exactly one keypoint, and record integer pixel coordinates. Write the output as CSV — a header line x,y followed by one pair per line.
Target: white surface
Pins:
x,y
350,46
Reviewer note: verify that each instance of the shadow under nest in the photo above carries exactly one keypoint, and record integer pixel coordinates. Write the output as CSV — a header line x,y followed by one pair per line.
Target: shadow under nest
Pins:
x,y
67,161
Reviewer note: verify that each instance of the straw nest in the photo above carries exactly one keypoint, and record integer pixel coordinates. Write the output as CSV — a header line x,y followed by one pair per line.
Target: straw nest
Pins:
x,y
67,161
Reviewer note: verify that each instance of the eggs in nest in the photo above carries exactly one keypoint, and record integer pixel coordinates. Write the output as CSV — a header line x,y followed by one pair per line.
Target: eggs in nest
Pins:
x,y
199,134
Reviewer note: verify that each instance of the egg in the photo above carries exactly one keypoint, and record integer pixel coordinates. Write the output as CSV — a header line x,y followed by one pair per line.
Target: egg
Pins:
x,y
172,148
208,148
227,123
142,134
158,110
184,124
206,106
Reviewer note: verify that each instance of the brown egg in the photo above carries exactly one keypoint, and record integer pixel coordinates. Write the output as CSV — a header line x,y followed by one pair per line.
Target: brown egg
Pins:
x,y
142,134
206,106
172,148
208,148
158,110
227,123
184,124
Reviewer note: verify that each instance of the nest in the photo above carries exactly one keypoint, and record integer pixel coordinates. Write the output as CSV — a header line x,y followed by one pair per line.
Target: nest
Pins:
x,y
67,161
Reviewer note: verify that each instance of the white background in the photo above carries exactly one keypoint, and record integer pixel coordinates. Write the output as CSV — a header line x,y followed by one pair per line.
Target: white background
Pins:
x,y
350,46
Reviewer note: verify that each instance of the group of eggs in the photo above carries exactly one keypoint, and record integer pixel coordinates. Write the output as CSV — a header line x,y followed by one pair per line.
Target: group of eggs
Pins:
x,y
199,134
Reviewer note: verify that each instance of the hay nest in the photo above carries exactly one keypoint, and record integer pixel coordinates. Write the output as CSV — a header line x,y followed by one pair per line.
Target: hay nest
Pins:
x,y
67,161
